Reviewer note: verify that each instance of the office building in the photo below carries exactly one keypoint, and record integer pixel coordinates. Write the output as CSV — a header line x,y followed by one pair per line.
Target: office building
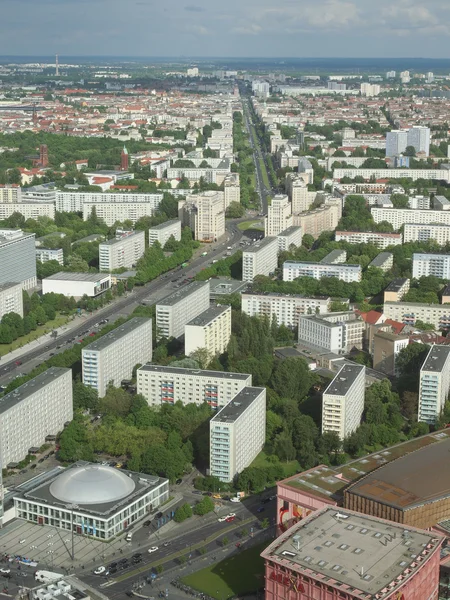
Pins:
x,y
292,270
386,348
324,218
396,289
29,210
237,433
380,240
285,308
289,237
74,201
383,261
110,359
414,232
260,258
396,142
36,409
398,217
419,138
176,310
279,216
77,284
204,213
425,265
161,233
211,330
434,384
167,385
123,251
11,299
337,332
409,312
46,254
18,258
338,553
343,401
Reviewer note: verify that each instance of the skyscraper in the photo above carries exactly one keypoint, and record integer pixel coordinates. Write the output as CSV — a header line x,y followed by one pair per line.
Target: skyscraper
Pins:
x,y
396,142
419,137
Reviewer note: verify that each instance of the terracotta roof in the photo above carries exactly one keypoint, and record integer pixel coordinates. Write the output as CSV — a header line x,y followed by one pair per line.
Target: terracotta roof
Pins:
x,y
396,326
372,317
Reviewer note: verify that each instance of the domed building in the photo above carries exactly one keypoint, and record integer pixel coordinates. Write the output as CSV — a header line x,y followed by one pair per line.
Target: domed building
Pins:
x,y
92,499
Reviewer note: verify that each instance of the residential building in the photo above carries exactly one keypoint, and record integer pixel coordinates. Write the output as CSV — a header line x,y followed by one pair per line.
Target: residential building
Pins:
x,y
279,216
305,167
231,189
409,312
237,433
297,190
36,409
445,295
343,401
335,332
396,142
176,310
441,203
123,251
414,174
161,233
46,254
425,265
211,330
335,257
260,259
204,213
77,284
419,138
111,212
74,201
292,236
167,385
434,384
11,299
324,218
370,89
396,289
414,232
285,308
18,258
292,270
419,202
386,347
398,217
29,210
380,240
10,193
383,261
111,358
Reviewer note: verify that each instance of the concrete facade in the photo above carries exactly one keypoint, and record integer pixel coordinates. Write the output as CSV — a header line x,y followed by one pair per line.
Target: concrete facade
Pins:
x,y
176,310
343,401
210,330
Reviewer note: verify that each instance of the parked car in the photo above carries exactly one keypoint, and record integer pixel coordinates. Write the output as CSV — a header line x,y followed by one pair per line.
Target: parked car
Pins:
x,y
99,570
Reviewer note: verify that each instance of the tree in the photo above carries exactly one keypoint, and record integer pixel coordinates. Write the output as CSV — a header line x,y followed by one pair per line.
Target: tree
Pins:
x,y
84,397
116,402
283,447
399,200
291,378
202,356
225,541
235,210
410,151
307,240
265,523
182,513
205,506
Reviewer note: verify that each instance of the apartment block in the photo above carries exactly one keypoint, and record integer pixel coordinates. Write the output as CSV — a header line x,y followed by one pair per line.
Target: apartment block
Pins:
x,y
123,251
434,384
46,254
10,193
386,348
18,258
398,217
11,299
314,222
210,330
410,312
161,233
431,264
343,401
231,188
335,257
260,259
38,408
334,332
29,210
204,213
72,201
301,198
166,385
383,261
286,308
396,142
305,168
414,174
441,203
279,216
419,202
414,232
289,237
237,433
112,358
292,270
380,240
176,310
419,138
397,288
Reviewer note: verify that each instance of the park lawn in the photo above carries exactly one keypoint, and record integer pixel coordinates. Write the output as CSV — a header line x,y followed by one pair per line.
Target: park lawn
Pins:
x,y
264,173
242,573
250,225
33,335
290,468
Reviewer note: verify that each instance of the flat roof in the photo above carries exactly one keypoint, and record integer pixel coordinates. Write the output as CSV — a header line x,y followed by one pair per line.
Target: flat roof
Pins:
x,y
224,286
121,239
258,245
116,334
360,552
333,255
30,387
290,230
280,295
381,258
63,276
165,224
299,263
9,284
396,284
197,372
344,380
175,297
436,358
236,408
209,315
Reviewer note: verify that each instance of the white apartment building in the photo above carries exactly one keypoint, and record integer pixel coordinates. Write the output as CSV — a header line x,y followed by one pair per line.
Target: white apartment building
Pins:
x,y
343,401
286,308
237,433
415,232
324,218
73,201
260,259
297,190
111,212
11,299
176,310
396,142
76,284
29,210
216,176
231,188
419,137
380,240
161,233
431,264
335,257
292,270
204,213
398,217
46,254
334,332
18,258
410,312
279,216
38,408
383,261
166,385
122,251
10,193
414,174
305,168
210,330
419,202
434,384
292,236
112,358
370,89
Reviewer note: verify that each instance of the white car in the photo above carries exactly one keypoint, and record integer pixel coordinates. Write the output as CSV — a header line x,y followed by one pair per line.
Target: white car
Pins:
x,y
99,570
230,515
235,499
153,549
5,571
222,519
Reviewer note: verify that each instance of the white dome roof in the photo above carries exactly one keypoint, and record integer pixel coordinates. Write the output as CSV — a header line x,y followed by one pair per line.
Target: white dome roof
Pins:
x,y
92,484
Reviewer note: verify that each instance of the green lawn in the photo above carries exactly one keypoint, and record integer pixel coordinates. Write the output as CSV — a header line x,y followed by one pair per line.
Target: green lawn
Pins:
x,y
290,468
264,173
250,225
33,335
240,574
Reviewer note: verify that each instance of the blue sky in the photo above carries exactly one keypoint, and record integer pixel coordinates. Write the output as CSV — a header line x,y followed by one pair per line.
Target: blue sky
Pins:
x,y
266,28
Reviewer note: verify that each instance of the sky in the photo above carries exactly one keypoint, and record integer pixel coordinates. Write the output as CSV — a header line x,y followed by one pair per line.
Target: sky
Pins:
x,y
231,28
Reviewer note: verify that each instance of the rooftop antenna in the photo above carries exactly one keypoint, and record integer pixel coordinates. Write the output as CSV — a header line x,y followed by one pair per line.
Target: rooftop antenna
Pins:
x,y
57,67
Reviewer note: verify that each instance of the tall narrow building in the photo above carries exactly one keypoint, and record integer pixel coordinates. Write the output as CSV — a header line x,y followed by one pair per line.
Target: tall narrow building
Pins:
x,y
124,162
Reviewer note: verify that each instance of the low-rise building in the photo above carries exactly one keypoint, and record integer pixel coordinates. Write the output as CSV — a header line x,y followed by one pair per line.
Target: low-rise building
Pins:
x,y
434,384
46,254
334,332
74,201
123,251
161,233
292,270
211,330
237,433
11,299
343,401
395,291
260,259
383,261
176,310
410,312
380,240
76,284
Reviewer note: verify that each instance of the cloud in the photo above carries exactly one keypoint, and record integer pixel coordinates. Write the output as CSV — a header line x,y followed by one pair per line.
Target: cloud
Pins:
x,y
194,8
251,29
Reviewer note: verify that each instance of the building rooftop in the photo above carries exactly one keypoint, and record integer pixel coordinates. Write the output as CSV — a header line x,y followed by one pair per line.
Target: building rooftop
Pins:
x,y
344,380
296,263
289,231
194,372
396,285
116,334
30,387
240,403
63,276
334,255
120,240
261,244
365,555
175,297
436,359
209,315
381,258
280,295
9,284
418,305
165,224
223,286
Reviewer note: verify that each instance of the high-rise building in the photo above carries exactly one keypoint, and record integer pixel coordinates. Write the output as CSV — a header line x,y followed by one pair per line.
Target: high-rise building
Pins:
x,y
434,384
231,189
122,251
370,89
297,190
211,330
237,433
305,167
18,258
391,75
112,358
279,215
161,233
286,308
292,236
11,299
124,159
396,142
425,265
343,401
419,138
204,213
260,259
176,310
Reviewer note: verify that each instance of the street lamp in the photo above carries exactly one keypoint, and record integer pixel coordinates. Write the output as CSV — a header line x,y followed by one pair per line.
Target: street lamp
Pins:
x,y
72,508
